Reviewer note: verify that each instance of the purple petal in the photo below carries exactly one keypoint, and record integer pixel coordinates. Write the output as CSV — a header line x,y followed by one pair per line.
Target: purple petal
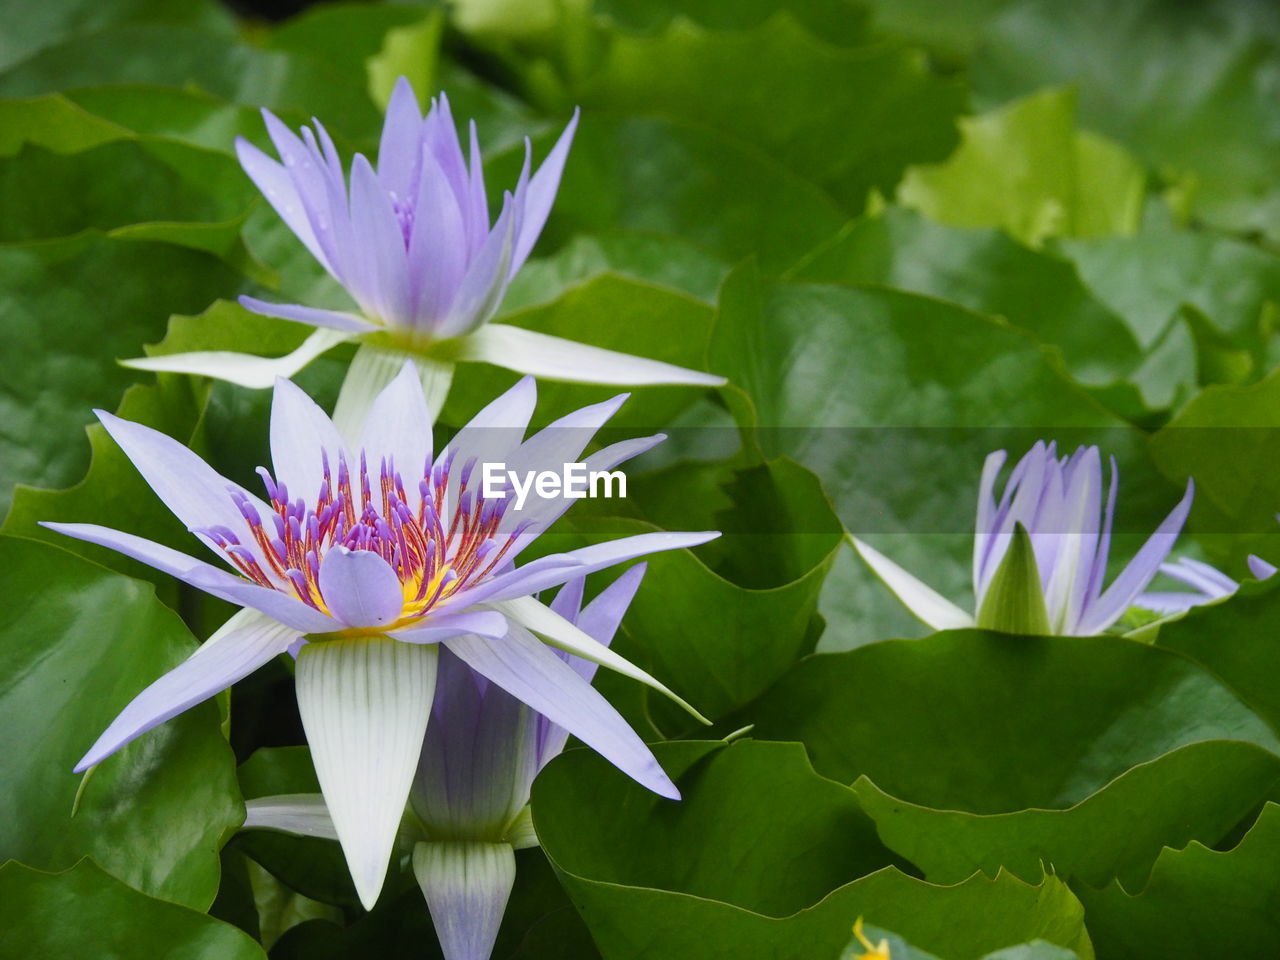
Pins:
x,y
479,757
278,187
313,316
301,436
487,623
226,657
380,240
485,281
1260,569
541,195
398,428
203,576
437,246
360,588
476,213
555,569
400,146
466,885
599,620
196,493
568,599
532,673
1141,569
440,136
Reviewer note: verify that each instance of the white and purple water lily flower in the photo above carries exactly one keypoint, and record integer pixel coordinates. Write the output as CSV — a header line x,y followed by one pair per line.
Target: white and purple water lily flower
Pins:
x,y
1207,584
469,804
364,559
412,243
1059,503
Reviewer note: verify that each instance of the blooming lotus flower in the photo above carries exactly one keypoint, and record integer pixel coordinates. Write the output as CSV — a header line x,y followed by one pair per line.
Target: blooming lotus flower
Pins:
x,y
413,244
362,560
469,803
1207,584
1040,553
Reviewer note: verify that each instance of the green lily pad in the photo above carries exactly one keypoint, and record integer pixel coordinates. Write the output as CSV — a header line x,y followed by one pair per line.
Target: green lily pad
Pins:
x,y
1198,900
85,912
991,723
792,864
78,643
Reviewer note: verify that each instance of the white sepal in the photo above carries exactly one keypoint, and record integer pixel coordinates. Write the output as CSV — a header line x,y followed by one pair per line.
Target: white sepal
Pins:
x,y
365,704
304,814
243,369
924,602
466,885
554,358
372,370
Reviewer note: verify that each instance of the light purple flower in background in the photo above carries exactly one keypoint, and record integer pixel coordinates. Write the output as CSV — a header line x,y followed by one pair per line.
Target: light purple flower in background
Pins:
x,y
412,243
1207,584
363,559
469,803
1060,503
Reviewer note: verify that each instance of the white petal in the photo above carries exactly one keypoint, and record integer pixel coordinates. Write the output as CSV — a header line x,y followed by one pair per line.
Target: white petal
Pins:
x,y
554,358
466,886
304,814
302,435
399,428
364,705
371,371
563,635
930,606
242,369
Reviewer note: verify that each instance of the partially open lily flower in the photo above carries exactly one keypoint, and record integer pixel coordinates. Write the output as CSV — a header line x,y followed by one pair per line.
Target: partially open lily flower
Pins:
x,y
413,244
469,805
1040,552
362,559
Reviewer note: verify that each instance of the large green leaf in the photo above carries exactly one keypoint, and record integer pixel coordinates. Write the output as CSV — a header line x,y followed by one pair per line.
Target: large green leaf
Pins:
x,y
1198,900
1227,439
177,56
71,308
1146,277
787,869
1187,87
993,723
33,26
1026,168
850,119
988,272
1197,792
78,643
1236,640
660,176
721,636
84,912
112,492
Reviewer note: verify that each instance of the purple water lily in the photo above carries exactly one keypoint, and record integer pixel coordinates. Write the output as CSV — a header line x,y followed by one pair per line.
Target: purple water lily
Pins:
x,y
413,244
1059,503
1207,584
363,559
469,803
